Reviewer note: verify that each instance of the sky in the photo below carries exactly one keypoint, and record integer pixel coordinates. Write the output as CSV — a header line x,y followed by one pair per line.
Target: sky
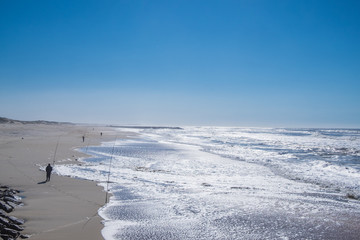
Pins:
x,y
251,63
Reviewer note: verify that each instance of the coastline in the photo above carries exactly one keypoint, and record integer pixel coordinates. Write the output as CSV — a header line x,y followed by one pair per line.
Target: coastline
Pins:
x,y
258,202
64,208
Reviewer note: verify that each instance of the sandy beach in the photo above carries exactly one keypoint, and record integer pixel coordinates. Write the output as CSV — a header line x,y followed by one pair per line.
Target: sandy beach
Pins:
x,y
64,208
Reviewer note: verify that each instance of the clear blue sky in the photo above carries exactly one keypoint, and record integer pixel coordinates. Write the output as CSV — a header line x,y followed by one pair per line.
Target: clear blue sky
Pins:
x,y
240,63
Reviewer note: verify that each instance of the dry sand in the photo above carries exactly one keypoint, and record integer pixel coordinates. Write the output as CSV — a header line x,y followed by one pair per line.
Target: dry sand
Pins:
x,y
64,208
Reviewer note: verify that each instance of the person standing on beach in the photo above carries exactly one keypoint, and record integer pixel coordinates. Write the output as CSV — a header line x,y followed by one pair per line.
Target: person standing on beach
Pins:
x,y
83,137
48,172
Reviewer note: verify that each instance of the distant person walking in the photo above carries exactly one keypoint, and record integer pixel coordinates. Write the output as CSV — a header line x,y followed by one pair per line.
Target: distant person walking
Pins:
x,y
48,172
83,138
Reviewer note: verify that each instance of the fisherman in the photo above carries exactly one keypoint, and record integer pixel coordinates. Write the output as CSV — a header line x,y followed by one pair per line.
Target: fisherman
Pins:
x,y
48,172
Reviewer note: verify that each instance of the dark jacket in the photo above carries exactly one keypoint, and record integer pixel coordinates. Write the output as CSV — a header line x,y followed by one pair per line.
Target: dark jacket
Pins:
x,y
48,169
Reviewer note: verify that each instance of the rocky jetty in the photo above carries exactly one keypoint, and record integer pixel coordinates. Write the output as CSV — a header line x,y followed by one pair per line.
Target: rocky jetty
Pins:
x,y
10,227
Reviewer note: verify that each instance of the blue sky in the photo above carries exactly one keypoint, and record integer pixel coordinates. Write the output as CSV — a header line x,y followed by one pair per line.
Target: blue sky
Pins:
x,y
239,63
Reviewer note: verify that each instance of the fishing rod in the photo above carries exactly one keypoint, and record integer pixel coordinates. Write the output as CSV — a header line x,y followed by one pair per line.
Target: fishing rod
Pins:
x,y
88,142
87,146
57,144
108,180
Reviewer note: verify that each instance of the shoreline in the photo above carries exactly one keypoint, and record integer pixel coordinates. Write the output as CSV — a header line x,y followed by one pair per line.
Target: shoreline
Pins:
x,y
70,208
65,207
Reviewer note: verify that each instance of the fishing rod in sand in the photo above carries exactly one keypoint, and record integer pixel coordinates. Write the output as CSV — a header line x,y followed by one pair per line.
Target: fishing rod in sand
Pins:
x,y
88,142
108,180
87,146
57,144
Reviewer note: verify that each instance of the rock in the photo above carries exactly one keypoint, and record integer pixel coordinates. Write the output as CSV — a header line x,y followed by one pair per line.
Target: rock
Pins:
x,y
6,237
16,221
2,213
11,204
9,226
12,192
4,206
5,192
12,233
4,222
24,236
15,227
9,193
12,199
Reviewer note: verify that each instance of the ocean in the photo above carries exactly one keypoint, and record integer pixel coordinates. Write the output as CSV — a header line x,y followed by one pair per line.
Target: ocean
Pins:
x,y
228,183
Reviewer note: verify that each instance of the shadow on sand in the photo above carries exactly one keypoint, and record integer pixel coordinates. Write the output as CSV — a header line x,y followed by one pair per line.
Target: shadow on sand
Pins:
x,y
42,182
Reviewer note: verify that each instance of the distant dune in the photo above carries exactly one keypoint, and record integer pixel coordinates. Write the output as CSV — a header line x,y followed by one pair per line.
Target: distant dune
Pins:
x,y
8,120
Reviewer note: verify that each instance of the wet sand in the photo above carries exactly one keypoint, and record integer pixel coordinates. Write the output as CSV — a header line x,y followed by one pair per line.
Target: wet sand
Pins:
x,y
64,208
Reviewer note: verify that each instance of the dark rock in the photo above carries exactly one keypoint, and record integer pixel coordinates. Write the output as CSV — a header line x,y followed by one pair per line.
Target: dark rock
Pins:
x,y
4,206
15,227
2,213
11,204
4,222
11,199
10,192
12,233
24,236
6,237
16,221
9,226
